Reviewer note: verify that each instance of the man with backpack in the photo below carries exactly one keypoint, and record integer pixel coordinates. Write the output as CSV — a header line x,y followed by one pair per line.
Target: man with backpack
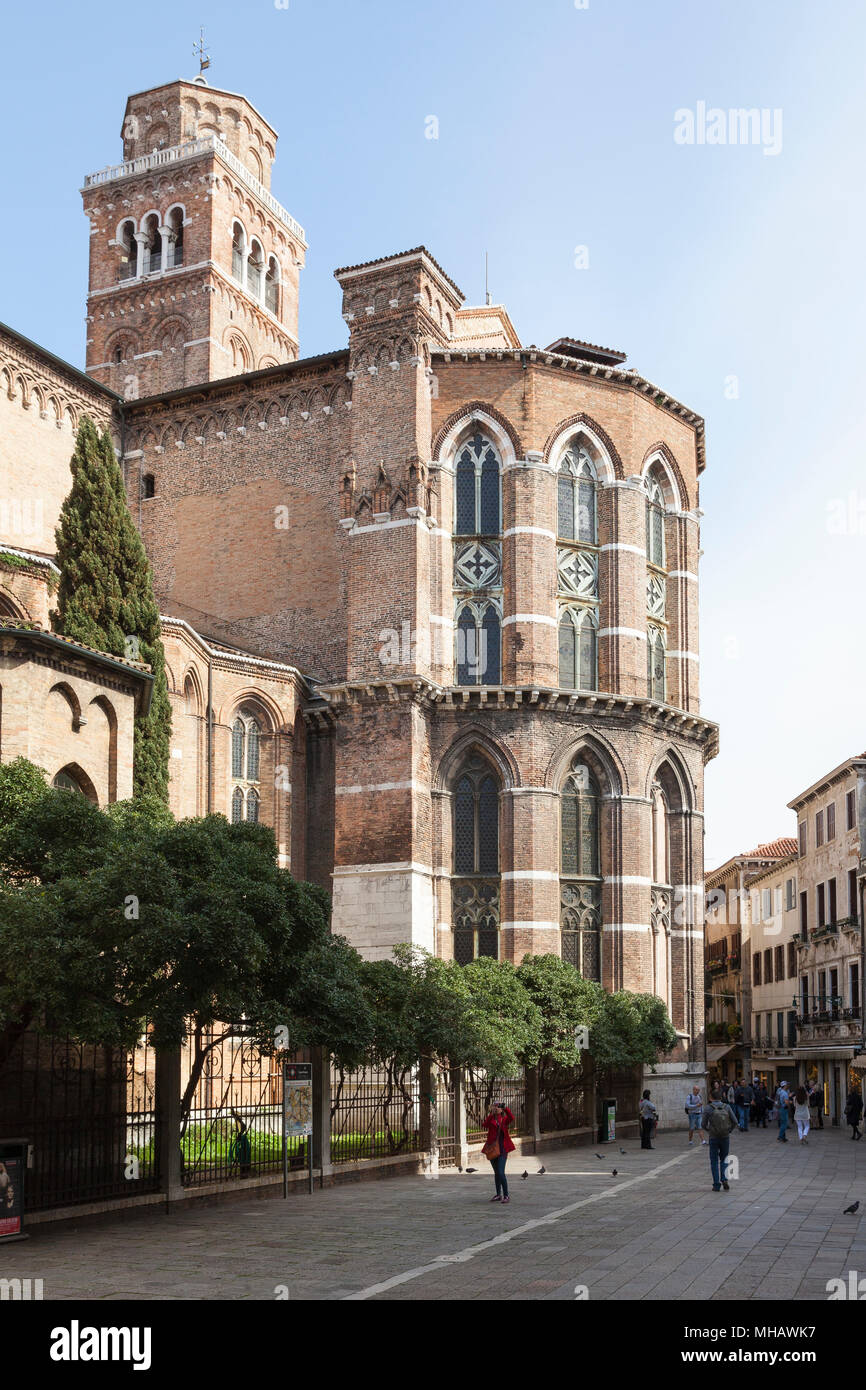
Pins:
x,y
783,1100
720,1122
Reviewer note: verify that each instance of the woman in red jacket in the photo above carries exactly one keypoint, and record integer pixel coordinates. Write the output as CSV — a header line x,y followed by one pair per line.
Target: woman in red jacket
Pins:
x,y
499,1145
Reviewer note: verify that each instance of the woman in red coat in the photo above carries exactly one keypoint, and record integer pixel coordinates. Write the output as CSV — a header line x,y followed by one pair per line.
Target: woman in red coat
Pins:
x,y
499,1145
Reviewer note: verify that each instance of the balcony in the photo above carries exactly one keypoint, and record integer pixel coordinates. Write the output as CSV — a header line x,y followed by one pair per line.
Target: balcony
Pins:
x,y
190,150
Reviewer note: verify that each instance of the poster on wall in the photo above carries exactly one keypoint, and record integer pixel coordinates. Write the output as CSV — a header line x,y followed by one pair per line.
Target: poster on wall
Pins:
x,y
11,1188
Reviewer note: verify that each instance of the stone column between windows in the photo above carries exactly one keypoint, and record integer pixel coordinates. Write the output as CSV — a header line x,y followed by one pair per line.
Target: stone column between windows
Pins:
x,y
529,869
442,666
626,854
683,669
529,628
622,584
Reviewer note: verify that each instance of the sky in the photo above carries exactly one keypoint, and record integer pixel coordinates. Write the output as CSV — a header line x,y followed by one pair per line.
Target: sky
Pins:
x,y
731,274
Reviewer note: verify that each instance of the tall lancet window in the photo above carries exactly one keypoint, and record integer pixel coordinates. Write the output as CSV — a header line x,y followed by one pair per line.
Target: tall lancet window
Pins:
x,y
246,760
577,569
580,870
475,887
660,895
656,590
477,562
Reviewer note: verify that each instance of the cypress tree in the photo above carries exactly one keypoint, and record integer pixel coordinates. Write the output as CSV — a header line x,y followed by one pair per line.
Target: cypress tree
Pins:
x,y
105,594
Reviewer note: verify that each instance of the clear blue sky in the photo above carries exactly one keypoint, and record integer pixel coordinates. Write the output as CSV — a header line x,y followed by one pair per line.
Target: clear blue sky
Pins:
x,y
556,130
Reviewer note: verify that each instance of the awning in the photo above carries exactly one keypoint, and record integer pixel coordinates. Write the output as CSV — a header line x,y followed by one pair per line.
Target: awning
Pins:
x,y
716,1052
859,1063
825,1054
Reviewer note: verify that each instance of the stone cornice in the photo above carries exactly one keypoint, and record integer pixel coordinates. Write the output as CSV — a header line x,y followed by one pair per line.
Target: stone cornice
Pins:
x,y
614,376
418,689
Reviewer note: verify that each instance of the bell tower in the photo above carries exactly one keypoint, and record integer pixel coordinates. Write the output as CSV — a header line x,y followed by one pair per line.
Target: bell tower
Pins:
x,y
194,265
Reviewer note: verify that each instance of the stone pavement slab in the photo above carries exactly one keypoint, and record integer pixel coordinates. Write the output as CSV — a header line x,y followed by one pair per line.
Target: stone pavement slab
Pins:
x,y
656,1231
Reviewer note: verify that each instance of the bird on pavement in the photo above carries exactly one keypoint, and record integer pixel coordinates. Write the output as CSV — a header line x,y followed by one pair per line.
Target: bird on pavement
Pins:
x,y
614,1172
541,1170
851,1209
472,1170
524,1175
623,1151
599,1155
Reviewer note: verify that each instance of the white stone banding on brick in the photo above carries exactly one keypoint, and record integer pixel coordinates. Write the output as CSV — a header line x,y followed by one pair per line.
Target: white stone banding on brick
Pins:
x,y
530,531
529,618
626,926
685,656
382,787
622,545
623,632
544,874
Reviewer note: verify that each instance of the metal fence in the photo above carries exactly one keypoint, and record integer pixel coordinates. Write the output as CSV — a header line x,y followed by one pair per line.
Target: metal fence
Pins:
x,y
565,1098
88,1111
375,1112
482,1091
231,1111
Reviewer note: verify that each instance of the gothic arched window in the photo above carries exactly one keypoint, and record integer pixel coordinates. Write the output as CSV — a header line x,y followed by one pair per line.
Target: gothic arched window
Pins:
x,y
475,891
246,766
660,895
477,491
152,245
580,870
239,252
478,640
272,286
576,497
255,267
577,570
477,562
128,252
578,654
174,250
655,522
656,591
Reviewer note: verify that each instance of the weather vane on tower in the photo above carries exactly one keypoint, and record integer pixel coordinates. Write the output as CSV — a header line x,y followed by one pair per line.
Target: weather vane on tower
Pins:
x,y
200,52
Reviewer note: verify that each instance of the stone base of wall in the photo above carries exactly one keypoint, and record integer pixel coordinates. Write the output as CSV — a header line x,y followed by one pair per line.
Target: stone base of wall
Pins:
x,y
669,1084
377,906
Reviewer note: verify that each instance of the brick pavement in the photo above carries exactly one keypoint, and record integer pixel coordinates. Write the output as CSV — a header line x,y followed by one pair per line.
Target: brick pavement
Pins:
x,y
657,1231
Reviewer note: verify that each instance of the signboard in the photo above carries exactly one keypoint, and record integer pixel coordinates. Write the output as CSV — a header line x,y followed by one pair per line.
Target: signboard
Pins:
x,y
11,1195
298,1098
611,1121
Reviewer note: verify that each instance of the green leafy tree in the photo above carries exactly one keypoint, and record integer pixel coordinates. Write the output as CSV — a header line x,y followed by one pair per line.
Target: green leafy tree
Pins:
x,y
105,593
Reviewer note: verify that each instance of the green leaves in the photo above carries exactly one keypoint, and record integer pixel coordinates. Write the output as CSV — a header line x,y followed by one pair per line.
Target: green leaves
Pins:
x,y
105,593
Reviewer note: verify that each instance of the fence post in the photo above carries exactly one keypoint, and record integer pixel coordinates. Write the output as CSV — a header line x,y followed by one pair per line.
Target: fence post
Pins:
x,y
590,1097
533,1117
321,1060
462,1143
427,1128
167,1106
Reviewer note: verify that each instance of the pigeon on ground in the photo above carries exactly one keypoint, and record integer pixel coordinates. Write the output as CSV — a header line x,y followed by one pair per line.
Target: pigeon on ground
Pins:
x,y
623,1151
851,1209
459,1169
541,1170
525,1175
614,1172
599,1155
472,1170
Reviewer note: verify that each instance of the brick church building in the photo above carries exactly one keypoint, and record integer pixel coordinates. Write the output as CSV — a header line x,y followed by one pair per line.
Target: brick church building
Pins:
x,y
431,600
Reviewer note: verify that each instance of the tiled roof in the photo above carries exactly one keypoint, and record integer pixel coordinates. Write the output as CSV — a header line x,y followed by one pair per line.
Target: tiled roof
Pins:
x,y
399,256
774,849
138,668
569,347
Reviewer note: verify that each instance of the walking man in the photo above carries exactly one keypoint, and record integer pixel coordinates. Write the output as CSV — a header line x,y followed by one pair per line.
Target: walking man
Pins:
x,y
648,1121
719,1121
853,1111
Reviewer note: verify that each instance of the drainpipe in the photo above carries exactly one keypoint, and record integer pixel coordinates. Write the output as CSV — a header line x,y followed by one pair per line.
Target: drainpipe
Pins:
x,y
209,731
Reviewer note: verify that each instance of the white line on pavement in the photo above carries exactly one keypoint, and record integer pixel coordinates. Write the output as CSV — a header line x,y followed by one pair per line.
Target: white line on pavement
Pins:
x,y
472,1250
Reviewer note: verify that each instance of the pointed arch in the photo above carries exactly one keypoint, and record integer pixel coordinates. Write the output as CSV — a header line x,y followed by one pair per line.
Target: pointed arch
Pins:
x,y
600,446
475,739
670,770
660,463
73,773
485,417
600,755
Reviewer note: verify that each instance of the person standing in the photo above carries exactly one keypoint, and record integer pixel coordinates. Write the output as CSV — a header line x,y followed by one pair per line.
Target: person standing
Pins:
x,y
497,1148
815,1105
853,1111
762,1103
649,1117
719,1121
782,1100
801,1113
695,1110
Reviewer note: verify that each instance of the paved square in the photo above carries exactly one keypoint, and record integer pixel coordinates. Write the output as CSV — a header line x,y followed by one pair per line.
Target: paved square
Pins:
x,y
656,1231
